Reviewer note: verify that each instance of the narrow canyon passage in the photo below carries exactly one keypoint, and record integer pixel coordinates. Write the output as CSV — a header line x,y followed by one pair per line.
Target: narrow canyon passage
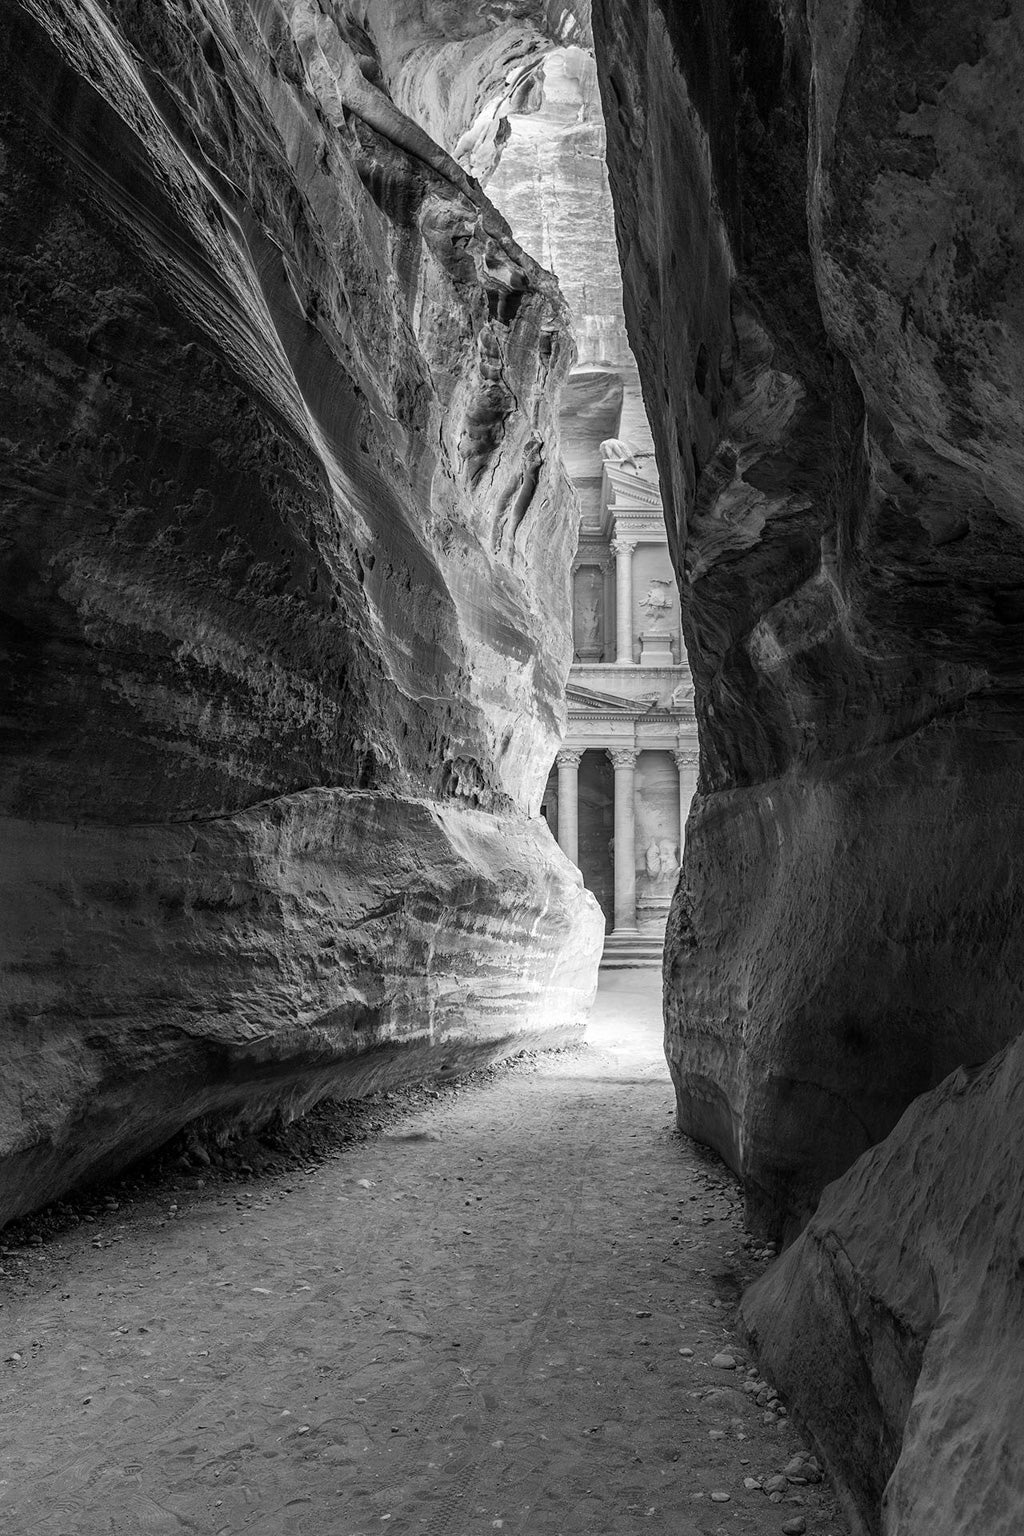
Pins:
x,y
479,1321
492,490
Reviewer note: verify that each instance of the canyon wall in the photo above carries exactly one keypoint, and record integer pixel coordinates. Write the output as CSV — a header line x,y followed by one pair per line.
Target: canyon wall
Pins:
x,y
894,1323
284,561
820,222
820,219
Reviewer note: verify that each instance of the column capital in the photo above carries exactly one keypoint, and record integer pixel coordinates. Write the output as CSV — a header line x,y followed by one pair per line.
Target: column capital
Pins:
x,y
686,757
621,545
569,757
622,757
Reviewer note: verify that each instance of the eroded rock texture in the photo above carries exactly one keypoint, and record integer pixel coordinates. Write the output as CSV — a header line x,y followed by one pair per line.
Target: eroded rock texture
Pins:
x,y
552,185
820,216
283,552
904,1357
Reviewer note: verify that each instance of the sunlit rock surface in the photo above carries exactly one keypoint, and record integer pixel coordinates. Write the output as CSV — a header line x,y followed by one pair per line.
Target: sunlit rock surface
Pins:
x,y
552,185
283,568
820,216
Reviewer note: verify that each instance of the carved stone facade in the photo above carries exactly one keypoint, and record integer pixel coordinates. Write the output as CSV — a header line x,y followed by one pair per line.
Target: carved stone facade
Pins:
x,y
619,794
621,821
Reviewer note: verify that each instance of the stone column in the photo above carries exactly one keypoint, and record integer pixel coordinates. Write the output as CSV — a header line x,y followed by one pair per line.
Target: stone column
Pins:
x,y
569,803
607,638
686,761
624,763
623,551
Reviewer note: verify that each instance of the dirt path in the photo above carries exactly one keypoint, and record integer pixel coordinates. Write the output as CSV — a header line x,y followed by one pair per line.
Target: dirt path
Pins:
x,y
472,1324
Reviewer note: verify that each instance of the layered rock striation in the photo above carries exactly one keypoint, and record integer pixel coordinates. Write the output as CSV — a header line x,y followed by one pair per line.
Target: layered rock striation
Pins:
x,y
821,219
283,582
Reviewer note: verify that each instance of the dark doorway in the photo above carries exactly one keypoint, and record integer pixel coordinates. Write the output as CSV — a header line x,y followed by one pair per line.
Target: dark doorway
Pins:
x,y
597,828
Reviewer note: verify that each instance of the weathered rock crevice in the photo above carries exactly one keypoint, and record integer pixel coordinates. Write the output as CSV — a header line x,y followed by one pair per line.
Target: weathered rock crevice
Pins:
x,y
284,563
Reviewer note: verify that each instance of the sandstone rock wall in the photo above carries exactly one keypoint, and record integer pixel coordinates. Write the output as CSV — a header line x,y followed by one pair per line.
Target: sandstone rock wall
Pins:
x,y
552,185
820,218
283,515
820,221
325,941
904,1357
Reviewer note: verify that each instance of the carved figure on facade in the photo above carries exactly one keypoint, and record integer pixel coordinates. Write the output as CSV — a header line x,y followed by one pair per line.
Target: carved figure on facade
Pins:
x,y
590,622
658,603
589,612
661,858
615,451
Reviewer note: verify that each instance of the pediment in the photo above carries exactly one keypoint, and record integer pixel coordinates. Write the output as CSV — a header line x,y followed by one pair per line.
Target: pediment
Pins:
x,y
604,703
626,485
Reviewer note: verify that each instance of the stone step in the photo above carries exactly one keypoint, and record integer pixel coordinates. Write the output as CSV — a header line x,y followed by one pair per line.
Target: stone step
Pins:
x,y
634,948
631,951
634,941
637,963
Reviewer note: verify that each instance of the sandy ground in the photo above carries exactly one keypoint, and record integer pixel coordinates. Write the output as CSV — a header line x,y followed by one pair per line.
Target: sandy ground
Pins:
x,y
470,1324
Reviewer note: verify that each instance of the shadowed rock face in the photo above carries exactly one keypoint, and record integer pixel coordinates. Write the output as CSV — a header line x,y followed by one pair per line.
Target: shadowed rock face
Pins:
x,y
283,561
820,225
894,1322
820,218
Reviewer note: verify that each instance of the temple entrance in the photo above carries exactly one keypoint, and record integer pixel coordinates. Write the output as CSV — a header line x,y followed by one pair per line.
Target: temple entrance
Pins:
x,y
627,769
597,830
651,789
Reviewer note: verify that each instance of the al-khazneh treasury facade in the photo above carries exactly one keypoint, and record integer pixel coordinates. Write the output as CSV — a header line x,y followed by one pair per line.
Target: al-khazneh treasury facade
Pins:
x,y
619,793
618,796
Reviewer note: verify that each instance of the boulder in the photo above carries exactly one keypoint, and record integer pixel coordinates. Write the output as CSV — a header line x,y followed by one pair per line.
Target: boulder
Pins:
x,y
328,941
893,1325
